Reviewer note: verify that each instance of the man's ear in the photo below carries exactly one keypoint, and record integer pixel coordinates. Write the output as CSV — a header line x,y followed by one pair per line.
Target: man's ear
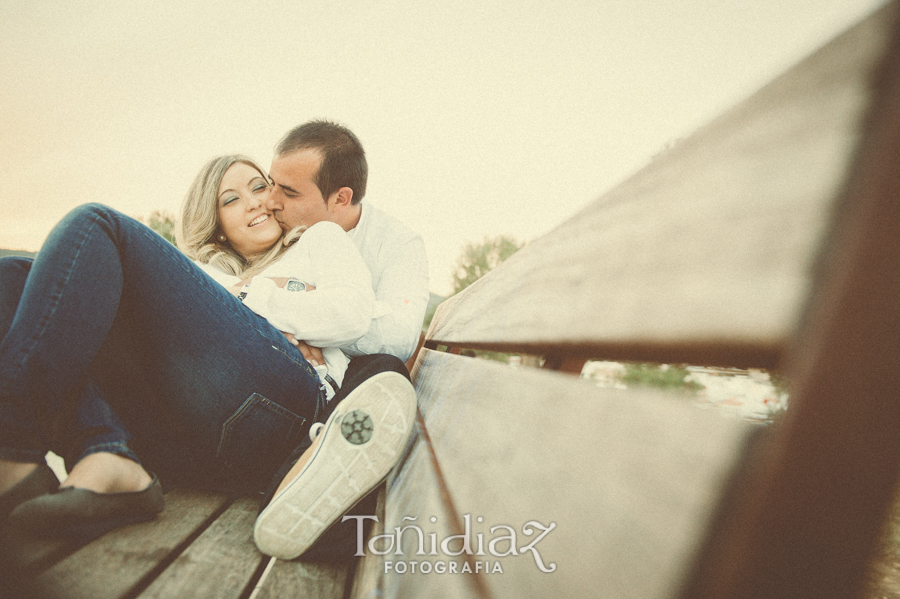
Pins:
x,y
341,199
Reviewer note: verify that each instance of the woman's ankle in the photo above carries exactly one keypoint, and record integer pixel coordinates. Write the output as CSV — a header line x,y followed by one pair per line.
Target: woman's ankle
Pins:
x,y
108,473
12,473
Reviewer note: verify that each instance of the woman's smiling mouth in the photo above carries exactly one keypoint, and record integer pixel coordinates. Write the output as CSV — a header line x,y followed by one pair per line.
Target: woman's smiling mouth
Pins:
x,y
259,219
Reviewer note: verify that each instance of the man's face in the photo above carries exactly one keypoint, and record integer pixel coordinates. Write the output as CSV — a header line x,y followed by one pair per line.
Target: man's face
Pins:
x,y
295,198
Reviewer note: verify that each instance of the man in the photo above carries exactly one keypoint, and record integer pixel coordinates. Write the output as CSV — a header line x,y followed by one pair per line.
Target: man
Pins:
x,y
319,174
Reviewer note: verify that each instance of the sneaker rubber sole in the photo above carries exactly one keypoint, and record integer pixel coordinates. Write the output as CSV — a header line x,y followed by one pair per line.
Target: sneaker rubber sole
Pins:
x,y
362,441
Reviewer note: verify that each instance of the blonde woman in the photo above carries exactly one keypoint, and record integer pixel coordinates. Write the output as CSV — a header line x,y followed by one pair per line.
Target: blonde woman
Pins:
x,y
225,208
125,356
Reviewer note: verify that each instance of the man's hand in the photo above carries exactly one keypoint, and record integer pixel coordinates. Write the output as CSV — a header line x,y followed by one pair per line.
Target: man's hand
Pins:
x,y
312,354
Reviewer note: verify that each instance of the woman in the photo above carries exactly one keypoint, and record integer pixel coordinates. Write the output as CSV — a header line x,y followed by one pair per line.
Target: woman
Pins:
x,y
116,345
213,222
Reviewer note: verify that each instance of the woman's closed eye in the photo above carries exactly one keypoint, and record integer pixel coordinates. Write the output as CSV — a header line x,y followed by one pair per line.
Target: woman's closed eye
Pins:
x,y
229,200
258,184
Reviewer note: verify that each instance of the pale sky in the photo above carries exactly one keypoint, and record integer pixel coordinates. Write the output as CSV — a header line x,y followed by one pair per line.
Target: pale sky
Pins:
x,y
478,118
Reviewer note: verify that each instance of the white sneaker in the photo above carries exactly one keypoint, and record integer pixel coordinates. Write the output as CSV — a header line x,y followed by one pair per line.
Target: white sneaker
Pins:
x,y
315,430
360,443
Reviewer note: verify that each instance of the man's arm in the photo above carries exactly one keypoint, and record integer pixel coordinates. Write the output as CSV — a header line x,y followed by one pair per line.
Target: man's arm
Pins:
x,y
400,303
338,311
310,353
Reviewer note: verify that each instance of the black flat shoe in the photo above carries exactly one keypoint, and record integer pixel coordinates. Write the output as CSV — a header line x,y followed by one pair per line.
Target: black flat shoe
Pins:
x,y
71,511
37,483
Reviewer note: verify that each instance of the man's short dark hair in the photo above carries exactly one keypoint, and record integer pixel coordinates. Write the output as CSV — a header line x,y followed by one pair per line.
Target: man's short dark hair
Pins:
x,y
343,158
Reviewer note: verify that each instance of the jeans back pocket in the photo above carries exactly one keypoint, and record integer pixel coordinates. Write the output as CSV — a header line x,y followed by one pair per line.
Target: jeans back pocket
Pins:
x,y
256,438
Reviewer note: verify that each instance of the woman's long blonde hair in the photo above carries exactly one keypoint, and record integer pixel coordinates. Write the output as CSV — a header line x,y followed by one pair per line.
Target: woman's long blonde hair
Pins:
x,y
196,231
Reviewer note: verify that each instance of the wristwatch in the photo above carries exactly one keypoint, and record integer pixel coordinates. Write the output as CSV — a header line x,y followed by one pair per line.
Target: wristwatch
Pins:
x,y
295,285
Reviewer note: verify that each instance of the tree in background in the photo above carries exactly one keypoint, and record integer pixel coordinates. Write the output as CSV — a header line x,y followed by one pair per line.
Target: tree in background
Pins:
x,y
478,259
163,223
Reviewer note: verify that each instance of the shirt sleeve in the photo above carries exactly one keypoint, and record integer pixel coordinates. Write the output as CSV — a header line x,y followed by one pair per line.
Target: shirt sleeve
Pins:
x,y
339,310
400,303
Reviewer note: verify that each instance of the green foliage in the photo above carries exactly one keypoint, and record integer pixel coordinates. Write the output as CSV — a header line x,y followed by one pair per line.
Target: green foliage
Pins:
x,y
661,376
23,253
163,223
433,302
478,259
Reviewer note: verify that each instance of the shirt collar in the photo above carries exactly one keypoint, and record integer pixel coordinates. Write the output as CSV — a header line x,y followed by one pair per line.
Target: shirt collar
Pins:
x,y
362,217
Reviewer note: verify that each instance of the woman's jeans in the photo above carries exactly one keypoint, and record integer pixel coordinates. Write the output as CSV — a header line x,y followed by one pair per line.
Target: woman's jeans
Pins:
x,y
114,341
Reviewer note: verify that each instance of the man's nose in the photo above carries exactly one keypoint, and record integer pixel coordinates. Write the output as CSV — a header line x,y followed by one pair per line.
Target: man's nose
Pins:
x,y
272,202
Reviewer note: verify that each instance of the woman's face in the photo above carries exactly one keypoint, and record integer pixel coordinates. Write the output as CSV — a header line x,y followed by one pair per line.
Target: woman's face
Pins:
x,y
243,218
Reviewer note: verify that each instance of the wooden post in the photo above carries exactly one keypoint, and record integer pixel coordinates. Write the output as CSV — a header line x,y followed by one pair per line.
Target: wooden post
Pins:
x,y
562,363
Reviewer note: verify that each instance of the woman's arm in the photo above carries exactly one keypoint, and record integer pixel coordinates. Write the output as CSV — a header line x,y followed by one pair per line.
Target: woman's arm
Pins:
x,y
338,311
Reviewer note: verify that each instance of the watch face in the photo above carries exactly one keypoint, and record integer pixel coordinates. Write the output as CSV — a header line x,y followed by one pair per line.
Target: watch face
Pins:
x,y
293,285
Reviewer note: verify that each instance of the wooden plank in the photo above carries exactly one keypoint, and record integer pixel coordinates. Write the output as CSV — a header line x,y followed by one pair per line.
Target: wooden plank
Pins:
x,y
414,499
368,571
705,255
412,359
810,516
35,554
219,564
564,363
116,563
629,479
303,579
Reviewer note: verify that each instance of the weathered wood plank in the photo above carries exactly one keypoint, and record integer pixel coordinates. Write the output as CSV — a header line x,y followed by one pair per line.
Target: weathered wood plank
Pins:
x,y
415,498
705,255
119,561
810,516
369,570
630,479
564,364
219,564
303,579
34,554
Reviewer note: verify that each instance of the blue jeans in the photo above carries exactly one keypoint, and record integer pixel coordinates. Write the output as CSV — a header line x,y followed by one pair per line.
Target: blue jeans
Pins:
x,y
114,341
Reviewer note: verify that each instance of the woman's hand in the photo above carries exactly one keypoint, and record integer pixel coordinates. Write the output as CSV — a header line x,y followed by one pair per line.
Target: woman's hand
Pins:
x,y
313,355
